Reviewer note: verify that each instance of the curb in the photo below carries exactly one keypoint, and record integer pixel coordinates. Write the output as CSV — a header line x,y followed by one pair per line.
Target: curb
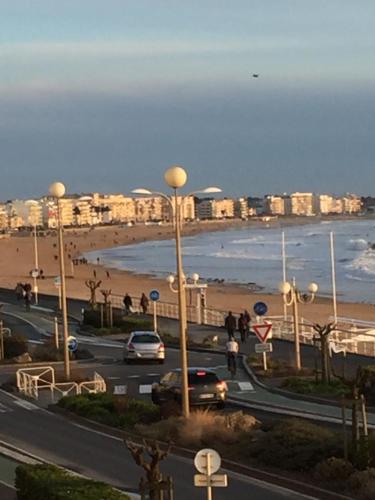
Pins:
x,y
294,485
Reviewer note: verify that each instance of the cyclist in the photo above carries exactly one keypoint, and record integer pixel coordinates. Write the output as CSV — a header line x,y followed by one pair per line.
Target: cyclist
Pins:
x,y
232,351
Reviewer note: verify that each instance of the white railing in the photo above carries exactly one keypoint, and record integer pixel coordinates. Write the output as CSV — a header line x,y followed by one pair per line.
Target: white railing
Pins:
x,y
31,380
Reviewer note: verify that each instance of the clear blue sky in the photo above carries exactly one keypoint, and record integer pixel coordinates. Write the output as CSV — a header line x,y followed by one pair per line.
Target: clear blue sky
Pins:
x,y
105,95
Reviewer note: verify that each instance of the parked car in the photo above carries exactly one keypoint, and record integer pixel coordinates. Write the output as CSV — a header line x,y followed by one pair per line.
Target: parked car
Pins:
x,y
205,388
143,346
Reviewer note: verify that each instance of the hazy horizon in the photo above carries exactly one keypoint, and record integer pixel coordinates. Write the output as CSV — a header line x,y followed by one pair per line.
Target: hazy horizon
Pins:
x,y
106,96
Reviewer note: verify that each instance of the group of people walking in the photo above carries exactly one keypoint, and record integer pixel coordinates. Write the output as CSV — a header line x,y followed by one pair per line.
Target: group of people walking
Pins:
x,y
24,292
128,304
232,348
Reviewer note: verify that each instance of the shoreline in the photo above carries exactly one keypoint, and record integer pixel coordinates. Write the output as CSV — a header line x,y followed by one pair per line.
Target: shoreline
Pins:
x,y
18,259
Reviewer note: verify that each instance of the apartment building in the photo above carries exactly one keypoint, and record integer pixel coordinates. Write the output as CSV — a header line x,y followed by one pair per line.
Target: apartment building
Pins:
x,y
49,211
24,213
241,208
352,204
215,209
303,204
274,205
4,222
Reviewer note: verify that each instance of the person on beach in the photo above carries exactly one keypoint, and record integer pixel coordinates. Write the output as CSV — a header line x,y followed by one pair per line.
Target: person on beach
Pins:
x,y
242,327
144,303
128,303
230,325
232,351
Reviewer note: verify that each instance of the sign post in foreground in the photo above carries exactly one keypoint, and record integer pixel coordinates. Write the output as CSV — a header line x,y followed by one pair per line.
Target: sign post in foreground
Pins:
x,y
155,296
207,462
263,331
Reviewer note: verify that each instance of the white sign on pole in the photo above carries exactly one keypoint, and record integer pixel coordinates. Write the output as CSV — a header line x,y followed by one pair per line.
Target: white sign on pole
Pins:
x,y
259,348
57,281
120,390
201,459
34,273
215,480
262,331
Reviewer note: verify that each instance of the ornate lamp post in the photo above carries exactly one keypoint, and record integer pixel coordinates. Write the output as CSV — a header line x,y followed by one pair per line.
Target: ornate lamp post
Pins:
x,y
176,177
57,190
293,297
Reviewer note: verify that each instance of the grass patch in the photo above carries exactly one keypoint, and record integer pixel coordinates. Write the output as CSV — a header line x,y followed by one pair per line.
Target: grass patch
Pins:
x,y
302,385
116,411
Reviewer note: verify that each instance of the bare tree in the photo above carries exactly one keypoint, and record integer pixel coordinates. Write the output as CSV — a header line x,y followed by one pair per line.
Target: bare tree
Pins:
x,y
92,285
323,332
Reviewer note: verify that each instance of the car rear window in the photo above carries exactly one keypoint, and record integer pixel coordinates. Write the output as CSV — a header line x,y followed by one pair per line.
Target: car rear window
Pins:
x,y
202,377
145,339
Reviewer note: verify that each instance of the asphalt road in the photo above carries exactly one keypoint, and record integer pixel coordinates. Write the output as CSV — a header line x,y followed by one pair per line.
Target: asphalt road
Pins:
x,y
105,457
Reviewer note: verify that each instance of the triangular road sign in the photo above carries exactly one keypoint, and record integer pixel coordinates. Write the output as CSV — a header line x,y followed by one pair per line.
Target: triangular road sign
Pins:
x,y
262,331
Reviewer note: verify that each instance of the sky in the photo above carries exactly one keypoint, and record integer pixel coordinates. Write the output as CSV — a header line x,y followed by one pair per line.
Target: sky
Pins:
x,y
106,95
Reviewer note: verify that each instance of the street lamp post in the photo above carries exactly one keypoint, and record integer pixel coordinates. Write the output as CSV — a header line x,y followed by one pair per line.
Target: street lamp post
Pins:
x,y
176,177
36,265
57,190
293,297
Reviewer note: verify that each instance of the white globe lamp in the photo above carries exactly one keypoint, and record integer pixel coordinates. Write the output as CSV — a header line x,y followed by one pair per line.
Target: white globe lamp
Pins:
x,y
175,177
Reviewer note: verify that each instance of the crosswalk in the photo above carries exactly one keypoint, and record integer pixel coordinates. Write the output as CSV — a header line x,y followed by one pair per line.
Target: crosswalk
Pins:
x,y
14,404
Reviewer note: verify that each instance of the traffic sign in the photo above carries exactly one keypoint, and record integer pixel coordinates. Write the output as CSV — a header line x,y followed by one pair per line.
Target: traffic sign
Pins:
x,y
260,308
262,331
120,390
215,480
154,295
57,281
260,348
200,461
72,343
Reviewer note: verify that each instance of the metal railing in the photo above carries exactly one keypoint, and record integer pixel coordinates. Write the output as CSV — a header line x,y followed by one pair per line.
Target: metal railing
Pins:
x,y
31,380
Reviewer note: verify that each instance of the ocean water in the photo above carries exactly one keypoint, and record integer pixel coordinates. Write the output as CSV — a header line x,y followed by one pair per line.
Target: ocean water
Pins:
x,y
253,255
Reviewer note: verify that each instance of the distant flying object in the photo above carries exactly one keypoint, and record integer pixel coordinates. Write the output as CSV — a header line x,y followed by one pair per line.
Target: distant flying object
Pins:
x,y
255,75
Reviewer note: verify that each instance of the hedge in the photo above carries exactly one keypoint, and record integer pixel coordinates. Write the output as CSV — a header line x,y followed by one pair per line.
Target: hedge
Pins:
x,y
37,482
126,324
14,346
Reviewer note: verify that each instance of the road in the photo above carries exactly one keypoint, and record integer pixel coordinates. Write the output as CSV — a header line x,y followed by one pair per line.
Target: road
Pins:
x,y
105,457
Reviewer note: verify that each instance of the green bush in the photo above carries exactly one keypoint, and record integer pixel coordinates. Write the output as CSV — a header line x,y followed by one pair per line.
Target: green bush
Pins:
x,y
14,346
310,386
294,445
334,471
37,482
105,409
121,323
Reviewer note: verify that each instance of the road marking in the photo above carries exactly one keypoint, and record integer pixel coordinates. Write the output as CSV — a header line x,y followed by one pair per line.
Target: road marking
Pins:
x,y
245,386
145,389
113,378
153,375
4,409
27,405
134,376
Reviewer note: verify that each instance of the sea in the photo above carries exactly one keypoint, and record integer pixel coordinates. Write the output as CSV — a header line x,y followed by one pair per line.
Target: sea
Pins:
x,y
252,256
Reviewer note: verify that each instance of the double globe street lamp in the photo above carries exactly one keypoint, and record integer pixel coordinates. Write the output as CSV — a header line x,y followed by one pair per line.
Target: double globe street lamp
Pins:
x,y
292,297
176,177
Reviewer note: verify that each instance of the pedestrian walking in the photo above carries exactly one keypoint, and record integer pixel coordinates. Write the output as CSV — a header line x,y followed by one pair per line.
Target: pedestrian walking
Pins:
x,y
242,327
128,303
27,296
230,324
232,351
247,318
19,291
144,303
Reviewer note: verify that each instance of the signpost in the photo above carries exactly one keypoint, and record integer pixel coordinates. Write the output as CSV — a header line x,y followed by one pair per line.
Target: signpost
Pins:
x,y
35,276
260,308
72,343
263,331
155,296
207,462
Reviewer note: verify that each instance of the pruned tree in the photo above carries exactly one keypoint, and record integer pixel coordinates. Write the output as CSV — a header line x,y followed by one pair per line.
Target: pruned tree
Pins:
x,y
107,306
151,466
92,285
324,332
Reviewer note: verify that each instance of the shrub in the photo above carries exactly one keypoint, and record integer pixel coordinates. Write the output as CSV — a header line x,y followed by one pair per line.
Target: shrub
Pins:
x,y
121,323
14,346
47,352
362,484
334,471
36,482
104,408
294,445
310,386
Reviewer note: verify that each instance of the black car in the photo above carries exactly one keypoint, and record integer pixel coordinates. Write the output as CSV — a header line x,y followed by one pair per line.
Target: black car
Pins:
x,y
205,388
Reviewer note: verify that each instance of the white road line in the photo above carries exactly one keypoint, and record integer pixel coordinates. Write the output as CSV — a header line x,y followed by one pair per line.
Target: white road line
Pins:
x,y
134,376
113,378
245,386
145,389
153,375
26,405
4,409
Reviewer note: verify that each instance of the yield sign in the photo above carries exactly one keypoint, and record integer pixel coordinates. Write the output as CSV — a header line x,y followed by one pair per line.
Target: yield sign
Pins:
x,y
262,331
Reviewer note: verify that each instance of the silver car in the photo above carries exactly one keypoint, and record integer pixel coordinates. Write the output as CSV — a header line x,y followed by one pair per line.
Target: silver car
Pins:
x,y
143,346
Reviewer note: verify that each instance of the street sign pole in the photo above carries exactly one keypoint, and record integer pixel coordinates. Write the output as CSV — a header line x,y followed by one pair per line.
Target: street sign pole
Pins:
x,y
155,318
208,474
155,296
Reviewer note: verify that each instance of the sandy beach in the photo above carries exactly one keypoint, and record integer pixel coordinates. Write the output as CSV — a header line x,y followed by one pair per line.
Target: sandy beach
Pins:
x,y
17,260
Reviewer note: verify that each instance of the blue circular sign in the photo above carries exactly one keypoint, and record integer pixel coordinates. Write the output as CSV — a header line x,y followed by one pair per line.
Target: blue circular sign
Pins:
x,y
154,295
72,344
260,308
